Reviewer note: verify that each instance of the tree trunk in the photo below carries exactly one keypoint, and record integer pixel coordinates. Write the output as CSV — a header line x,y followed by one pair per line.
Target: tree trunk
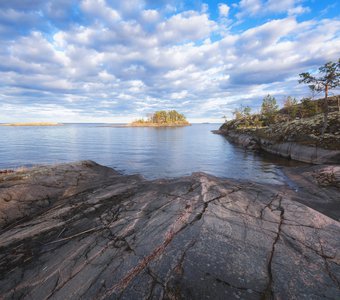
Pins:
x,y
325,111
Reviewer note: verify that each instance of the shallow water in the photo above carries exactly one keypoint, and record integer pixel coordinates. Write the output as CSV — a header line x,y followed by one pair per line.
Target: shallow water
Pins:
x,y
152,152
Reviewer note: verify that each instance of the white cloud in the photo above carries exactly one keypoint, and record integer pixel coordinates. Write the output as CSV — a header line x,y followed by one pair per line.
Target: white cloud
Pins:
x,y
186,26
179,95
100,10
223,9
298,10
133,61
150,15
279,6
251,8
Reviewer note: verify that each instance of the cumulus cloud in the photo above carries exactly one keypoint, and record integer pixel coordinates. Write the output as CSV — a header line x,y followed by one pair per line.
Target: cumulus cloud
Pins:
x,y
187,26
150,15
223,9
99,10
96,59
251,8
298,10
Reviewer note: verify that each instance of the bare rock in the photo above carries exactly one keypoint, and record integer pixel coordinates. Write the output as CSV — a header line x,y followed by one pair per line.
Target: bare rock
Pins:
x,y
26,192
298,139
328,176
109,236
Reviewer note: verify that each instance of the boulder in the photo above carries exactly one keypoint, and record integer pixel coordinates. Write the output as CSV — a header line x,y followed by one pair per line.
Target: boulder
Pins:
x,y
328,176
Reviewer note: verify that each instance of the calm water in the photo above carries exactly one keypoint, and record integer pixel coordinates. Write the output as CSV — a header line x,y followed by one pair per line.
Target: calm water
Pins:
x,y
152,152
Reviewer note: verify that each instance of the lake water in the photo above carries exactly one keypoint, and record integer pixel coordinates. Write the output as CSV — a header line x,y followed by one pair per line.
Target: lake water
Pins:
x,y
152,152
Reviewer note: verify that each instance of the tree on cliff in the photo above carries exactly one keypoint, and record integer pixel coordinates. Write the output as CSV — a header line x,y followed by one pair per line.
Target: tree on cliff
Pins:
x,y
308,108
269,108
290,104
328,79
242,112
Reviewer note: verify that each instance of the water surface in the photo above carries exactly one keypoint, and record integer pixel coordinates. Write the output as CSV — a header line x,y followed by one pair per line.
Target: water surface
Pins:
x,y
152,152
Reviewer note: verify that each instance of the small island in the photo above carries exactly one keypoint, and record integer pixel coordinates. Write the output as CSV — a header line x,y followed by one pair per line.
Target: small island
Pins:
x,y
162,118
32,124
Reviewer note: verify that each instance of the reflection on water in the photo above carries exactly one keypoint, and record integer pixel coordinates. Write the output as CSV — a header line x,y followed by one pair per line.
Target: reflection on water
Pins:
x,y
152,152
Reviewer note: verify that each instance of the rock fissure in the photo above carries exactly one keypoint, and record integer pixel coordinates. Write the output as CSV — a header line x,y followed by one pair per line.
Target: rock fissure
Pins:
x,y
219,280
116,236
269,293
330,273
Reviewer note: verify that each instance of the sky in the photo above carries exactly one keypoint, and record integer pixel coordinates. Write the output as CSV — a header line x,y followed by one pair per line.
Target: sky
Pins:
x,y
115,61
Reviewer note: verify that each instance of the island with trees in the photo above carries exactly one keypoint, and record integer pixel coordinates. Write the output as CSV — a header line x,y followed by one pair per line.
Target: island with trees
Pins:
x,y
162,118
307,130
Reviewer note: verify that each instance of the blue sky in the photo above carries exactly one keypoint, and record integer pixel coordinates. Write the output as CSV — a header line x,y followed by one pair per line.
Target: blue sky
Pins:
x,y
114,61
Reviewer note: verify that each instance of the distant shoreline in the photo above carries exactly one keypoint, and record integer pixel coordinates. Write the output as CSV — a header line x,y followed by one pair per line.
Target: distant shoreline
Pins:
x,y
32,124
150,125
157,125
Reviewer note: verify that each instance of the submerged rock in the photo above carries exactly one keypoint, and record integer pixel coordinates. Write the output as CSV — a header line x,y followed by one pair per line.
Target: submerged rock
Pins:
x,y
83,231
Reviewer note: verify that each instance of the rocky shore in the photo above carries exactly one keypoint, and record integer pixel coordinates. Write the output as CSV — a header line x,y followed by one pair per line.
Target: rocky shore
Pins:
x,y
299,139
84,231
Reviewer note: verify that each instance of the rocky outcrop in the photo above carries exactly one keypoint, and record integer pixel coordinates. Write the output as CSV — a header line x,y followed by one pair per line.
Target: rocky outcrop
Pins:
x,y
298,140
300,152
83,231
328,176
317,186
26,193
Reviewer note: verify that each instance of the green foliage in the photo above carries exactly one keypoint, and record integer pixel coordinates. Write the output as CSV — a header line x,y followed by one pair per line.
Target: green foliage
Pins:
x,y
163,117
309,108
329,78
140,121
237,113
257,122
290,104
246,111
269,108
242,112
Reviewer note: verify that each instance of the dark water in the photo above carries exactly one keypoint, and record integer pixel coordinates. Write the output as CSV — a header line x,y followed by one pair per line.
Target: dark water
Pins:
x,y
152,152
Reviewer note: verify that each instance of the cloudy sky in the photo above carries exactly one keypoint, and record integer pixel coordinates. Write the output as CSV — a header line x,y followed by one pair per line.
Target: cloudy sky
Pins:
x,y
114,61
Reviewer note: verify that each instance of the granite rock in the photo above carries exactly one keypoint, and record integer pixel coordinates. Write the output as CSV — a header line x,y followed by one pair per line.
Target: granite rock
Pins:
x,y
83,231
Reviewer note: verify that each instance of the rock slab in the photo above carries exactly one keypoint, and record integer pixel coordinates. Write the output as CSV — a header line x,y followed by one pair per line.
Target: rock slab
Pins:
x,y
83,231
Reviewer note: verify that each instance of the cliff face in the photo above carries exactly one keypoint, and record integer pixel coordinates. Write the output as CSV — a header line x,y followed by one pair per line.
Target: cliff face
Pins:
x,y
299,139
83,231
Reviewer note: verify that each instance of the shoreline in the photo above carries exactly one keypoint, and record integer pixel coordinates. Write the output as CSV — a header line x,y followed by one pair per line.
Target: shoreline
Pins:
x,y
297,140
289,150
300,180
142,126
157,125
84,229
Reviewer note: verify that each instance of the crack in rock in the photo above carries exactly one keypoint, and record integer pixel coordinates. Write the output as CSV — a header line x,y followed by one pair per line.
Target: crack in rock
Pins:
x,y
269,293
100,234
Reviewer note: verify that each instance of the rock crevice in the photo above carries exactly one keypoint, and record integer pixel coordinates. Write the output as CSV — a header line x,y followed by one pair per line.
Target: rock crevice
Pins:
x,y
198,237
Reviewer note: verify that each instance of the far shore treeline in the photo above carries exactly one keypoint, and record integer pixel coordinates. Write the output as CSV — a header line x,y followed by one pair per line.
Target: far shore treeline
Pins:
x,y
162,118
